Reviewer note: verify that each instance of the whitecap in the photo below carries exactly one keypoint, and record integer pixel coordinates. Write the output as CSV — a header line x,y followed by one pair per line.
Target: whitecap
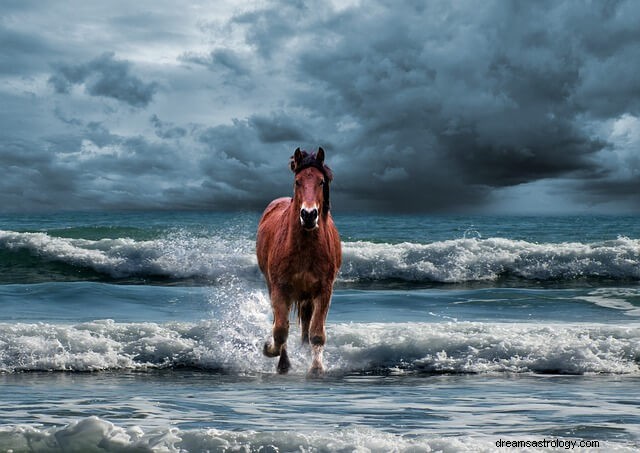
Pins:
x,y
94,434
234,344
184,255
476,259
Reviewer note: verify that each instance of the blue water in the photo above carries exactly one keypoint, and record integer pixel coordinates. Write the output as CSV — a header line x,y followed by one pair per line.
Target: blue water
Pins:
x,y
144,331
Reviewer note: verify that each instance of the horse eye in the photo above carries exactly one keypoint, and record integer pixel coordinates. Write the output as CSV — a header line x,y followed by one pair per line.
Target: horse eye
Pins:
x,y
297,183
322,182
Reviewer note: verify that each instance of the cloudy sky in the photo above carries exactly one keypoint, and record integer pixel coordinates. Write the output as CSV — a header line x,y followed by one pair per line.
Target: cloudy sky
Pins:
x,y
435,106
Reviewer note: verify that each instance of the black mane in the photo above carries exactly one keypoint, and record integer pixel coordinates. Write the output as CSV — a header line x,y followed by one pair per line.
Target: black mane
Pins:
x,y
310,160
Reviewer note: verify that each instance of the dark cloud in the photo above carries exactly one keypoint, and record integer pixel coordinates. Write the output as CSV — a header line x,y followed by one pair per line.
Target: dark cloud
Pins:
x,y
105,76
490,100
277,128
502,151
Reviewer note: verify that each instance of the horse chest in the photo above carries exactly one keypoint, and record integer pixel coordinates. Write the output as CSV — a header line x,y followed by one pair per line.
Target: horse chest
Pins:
x,y
301,275
303,285
305,268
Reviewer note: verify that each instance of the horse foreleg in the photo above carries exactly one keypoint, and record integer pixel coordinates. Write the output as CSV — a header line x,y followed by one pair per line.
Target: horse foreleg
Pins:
x,y
317,332
277,347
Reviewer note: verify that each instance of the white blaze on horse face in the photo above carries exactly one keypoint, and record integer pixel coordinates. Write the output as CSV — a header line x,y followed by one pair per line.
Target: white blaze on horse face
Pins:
x,y
309,207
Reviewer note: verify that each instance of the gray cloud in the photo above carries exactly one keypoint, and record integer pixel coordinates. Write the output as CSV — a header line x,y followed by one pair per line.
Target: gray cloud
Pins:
x,y
21,52
421,106
167,130
220,60
30,179
105,76
277,128
487,105
498,102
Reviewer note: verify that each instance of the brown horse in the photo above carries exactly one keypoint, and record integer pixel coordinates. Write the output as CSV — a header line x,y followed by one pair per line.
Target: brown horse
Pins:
x,y
299,253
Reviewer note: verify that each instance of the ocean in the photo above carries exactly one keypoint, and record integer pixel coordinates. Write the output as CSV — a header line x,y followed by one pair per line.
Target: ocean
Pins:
x,y
144,332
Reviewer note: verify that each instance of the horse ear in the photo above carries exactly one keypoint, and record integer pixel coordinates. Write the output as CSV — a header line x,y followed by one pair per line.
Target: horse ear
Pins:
x,y
320,155
295,159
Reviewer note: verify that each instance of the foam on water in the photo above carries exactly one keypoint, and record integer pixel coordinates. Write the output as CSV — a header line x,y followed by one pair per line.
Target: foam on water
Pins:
x,y
184,255
471,347
232,342
235,346
615,298
93,434
473,259
178,255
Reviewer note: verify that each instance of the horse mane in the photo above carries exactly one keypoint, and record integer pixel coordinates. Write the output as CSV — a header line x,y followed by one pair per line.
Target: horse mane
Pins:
x,y
311,160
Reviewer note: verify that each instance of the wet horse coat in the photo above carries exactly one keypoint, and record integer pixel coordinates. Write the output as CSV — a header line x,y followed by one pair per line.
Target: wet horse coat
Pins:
x,y
299,253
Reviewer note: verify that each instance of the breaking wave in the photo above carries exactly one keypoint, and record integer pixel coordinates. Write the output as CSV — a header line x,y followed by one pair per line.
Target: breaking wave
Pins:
x,y
176,256
95,434
185,256
462,260
397,348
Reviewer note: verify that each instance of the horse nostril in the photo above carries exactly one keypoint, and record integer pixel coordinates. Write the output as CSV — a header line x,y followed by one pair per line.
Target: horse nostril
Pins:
x,y
314,213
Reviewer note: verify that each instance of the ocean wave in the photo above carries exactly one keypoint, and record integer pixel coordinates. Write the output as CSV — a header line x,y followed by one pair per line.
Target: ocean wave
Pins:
x,y
179,255
398,348
462,260
96,434
182,255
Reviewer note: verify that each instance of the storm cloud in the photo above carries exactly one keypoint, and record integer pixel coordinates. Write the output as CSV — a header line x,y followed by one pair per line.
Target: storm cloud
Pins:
x,y
105,76
429,107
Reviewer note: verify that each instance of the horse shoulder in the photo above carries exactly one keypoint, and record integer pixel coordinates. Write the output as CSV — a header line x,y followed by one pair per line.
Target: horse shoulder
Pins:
x,y
269,228
276,206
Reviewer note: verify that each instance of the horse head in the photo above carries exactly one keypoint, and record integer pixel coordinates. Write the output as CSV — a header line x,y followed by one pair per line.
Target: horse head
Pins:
x,y
311,188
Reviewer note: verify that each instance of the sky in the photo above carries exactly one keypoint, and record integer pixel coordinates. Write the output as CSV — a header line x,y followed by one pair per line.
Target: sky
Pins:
x,y
430,107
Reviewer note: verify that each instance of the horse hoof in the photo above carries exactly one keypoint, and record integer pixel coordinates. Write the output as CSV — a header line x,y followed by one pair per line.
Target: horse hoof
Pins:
x,y
315,372
283,364
269,350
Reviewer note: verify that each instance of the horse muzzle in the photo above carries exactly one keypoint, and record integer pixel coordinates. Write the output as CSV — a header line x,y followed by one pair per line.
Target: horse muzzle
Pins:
x,y
309,218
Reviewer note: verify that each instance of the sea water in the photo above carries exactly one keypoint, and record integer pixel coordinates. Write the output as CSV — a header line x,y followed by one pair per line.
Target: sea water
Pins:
x,y
144,332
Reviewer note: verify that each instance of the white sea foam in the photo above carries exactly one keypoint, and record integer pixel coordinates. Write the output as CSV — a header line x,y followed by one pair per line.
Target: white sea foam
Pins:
x,y
470,347
486,259
614,298
235,345
179,255
183,255
93,434
231,341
